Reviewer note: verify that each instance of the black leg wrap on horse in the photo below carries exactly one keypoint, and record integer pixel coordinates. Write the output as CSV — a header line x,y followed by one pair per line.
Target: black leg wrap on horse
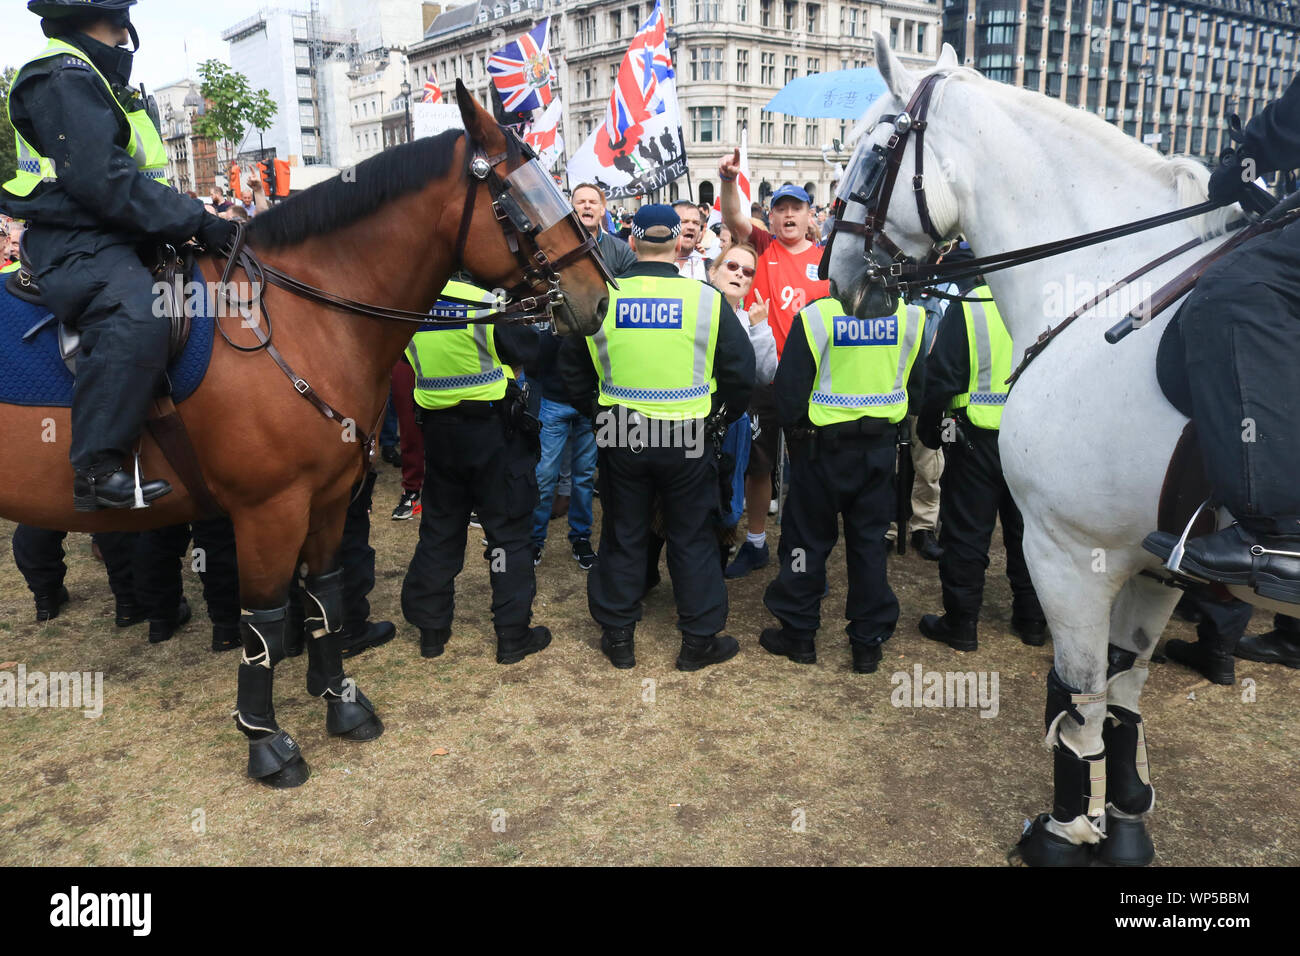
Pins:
x,y
349,712
1060,701
1080,784
262,634
1128,785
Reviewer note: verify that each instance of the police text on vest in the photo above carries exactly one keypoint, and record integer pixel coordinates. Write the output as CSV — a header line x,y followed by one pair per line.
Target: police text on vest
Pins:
x,y
854,331
648,314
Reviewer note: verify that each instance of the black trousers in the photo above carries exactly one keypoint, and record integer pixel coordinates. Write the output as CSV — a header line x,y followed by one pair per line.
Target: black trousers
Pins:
x,y
356,558
853,477
1223,622
102,288
1241,340
470,464
159,561
38,554
629,482
973,495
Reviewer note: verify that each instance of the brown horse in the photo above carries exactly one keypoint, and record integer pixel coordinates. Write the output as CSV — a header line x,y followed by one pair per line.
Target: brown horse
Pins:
x,y
390,233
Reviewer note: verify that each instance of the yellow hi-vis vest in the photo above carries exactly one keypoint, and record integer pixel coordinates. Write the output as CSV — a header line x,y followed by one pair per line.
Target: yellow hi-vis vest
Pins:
x,y
458,363
654,351
990,362
146,146
862,364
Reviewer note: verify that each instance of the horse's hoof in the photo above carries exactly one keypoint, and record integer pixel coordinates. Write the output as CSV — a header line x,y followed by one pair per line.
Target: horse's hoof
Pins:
x,y
372,729
293,774
1039,846
1127,842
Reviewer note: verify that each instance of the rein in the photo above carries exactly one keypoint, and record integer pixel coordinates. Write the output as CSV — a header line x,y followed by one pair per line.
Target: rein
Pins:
x,y
906,277
514,223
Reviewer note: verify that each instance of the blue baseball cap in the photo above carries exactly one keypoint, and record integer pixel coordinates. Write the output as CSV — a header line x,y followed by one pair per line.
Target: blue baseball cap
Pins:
x,y
791,191
656,223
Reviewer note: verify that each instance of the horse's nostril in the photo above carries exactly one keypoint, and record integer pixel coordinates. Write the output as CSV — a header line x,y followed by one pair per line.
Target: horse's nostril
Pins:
x,y
601,308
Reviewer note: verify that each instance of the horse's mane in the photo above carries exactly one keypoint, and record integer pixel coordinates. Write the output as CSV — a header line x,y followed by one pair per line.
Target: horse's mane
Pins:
x,y
1187,175
340,202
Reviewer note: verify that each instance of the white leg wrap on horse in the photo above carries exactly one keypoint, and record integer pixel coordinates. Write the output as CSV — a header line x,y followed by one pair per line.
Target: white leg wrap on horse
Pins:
x,y
1081,829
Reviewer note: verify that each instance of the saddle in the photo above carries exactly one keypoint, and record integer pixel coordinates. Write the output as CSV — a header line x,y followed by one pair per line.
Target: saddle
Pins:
x,y
22,285
164,422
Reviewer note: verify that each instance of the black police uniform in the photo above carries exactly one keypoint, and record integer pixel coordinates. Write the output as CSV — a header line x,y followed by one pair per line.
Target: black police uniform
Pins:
x,y
973,495
478,460
630,480
84,238
160,556
38,554
843,470
1241,337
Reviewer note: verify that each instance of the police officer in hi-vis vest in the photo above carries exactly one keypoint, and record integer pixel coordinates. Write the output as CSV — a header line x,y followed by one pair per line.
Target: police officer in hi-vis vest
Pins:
x,y
965,390
841,390
480,454
669,355
91,182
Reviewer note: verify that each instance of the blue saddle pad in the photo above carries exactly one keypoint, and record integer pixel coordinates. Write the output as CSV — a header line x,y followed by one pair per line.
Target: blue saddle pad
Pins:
x,y
32,373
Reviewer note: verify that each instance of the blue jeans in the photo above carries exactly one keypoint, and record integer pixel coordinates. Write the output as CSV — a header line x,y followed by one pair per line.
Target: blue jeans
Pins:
x,y
560,424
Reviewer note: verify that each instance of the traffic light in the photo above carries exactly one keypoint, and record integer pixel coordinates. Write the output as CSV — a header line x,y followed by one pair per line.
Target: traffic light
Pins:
x,y
267,171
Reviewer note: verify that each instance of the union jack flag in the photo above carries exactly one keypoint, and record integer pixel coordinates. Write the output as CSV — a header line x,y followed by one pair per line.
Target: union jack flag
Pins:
x,y
522,71
432,91
644,83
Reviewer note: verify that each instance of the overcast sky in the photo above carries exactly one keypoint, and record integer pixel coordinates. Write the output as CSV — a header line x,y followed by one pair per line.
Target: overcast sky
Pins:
x,y
166,27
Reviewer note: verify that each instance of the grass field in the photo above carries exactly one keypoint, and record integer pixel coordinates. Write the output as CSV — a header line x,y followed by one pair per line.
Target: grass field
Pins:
x,y
561,759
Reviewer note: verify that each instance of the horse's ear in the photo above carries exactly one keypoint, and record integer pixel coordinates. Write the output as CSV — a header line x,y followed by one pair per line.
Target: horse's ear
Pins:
x,y
947,58
898,78
478,122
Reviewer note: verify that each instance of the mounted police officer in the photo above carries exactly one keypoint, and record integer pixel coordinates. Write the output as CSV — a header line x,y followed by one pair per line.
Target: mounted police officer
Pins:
x,y
965,391
91,183
669,355
1241,339
480,456
842,387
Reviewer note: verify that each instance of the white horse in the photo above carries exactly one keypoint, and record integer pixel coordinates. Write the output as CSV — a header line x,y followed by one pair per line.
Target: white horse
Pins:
x,y
1087,434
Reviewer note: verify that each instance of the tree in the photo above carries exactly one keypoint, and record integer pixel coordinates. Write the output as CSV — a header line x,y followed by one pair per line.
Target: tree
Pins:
x,y
232,107
8,154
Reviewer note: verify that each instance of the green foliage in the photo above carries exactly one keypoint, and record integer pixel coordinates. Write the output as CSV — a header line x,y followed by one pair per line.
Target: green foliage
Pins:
x,y
8,155
233,108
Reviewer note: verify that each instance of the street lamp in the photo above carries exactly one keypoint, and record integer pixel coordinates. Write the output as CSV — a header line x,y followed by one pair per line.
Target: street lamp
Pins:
x,y
1148,74
406,101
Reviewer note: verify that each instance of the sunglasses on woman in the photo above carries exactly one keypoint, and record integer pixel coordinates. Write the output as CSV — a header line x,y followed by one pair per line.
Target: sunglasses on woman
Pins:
x,y
732,266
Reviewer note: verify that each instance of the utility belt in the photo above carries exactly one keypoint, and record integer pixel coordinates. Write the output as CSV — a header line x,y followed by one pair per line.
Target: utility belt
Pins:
x,y
818,438
512,409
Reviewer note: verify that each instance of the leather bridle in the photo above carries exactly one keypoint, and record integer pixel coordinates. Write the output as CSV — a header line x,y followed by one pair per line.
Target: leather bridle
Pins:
x,y
908,278
526,302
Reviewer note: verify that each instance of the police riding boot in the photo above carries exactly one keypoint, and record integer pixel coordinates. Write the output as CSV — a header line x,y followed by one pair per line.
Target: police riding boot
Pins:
x,y
106,484
273,756
162,628
433,640
617,644
1279,646
699,652
1265,561
49,603
349,713
512,650
225,636
959,633
1211,654
1028,622
800,648
127,613
866,655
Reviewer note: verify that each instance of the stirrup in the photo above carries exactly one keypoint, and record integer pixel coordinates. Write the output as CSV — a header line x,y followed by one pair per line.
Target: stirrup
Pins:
x,y
139,491
1175,560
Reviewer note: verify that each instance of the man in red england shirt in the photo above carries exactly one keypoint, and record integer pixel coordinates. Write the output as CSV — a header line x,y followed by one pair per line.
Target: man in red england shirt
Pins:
x,y
786,279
